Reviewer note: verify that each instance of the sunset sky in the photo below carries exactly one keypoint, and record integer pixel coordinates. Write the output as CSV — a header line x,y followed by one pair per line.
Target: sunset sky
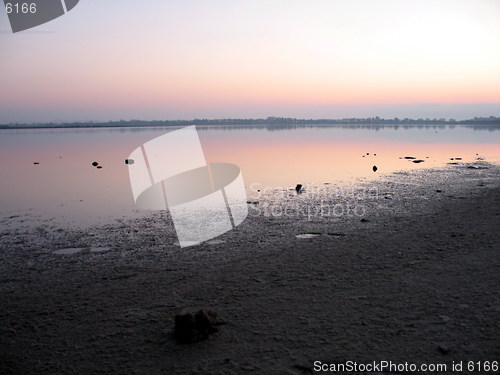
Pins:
x,y
183,59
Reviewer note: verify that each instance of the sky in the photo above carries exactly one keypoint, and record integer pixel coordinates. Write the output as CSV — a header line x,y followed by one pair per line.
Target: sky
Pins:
x,y
183,59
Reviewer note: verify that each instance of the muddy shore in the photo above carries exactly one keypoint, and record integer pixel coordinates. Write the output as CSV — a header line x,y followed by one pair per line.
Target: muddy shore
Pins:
x,y
412,276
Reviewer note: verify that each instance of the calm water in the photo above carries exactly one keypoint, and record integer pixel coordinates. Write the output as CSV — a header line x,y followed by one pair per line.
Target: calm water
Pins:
x,y
66,187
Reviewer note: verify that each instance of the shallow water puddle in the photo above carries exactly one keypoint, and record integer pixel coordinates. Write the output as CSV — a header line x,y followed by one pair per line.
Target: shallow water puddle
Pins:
x,y
304,236
69,250
99,249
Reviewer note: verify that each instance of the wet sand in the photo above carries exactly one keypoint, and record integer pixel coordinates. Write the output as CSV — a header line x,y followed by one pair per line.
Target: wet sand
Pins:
x,y
414,278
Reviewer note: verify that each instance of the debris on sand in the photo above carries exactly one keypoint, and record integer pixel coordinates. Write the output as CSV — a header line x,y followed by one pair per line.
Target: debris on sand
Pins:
x,y
36,162
375,168
476,167
192,326
298,188
99,167
410,157
95,164
418,161
363,220
68,251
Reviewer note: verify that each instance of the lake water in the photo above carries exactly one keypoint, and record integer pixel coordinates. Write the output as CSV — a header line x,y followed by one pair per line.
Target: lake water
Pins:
x,y
64,186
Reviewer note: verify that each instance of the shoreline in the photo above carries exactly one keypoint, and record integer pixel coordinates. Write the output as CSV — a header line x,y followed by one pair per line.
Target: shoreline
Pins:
x,y
416,281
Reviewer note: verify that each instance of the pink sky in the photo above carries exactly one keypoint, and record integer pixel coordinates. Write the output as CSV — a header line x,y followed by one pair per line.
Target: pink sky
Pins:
x,y
185,59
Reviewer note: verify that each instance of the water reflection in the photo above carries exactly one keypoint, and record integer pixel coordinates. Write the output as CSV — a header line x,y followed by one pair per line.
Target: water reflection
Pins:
x,y
65,185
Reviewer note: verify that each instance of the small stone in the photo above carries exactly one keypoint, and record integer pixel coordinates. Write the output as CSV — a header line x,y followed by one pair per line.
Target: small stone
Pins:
x,y
439,191
192,327
363,220
36,163
443,349
375,168
298,188
418,161
95,164
99,167
410,157
129,161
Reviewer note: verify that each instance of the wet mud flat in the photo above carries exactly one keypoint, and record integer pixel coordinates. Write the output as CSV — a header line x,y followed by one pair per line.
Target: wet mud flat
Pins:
x,y
412,275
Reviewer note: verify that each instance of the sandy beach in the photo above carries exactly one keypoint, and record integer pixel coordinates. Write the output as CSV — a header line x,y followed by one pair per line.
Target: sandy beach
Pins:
x,y
412,276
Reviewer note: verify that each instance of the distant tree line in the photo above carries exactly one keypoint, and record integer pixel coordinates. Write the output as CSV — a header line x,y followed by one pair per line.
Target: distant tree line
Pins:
x,y
269,122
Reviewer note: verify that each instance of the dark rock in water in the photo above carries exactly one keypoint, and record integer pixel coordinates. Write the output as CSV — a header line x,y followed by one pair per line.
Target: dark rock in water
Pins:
x,y
298,188
439,191
129,161
95,164
418,161
99,167
36,163
363,220
410,157
192,326
375,168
